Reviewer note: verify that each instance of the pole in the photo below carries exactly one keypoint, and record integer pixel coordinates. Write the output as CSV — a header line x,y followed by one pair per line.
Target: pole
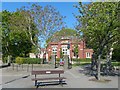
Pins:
x,y
55,61
32,67
68,61
28,68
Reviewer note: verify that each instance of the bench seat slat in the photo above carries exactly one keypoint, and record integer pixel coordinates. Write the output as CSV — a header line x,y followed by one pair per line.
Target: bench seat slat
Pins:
x,y
47,72
48,78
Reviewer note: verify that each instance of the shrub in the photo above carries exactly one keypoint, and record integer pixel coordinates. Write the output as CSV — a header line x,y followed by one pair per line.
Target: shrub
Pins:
x,y
57,60
82,60
19,60
32,60
4,59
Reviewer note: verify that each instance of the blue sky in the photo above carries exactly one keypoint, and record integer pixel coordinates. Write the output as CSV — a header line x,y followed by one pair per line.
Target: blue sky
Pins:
x,y
65,8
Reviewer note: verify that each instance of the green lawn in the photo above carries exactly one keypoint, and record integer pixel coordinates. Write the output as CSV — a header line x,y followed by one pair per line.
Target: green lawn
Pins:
x,y
89,62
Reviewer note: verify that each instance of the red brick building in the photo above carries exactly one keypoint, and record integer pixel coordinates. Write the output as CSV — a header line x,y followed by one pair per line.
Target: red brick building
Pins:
x,y
55,47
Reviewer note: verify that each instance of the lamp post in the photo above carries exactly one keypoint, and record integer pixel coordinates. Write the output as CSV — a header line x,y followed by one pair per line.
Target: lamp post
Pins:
x,y
55,61
68,47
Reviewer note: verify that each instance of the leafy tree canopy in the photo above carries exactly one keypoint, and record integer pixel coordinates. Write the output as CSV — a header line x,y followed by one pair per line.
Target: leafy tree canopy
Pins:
x,y
62,33
15,41
100,24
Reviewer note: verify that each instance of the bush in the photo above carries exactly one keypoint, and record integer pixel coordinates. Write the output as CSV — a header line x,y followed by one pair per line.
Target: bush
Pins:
x,y
4,59
19,60
57,60
82,60
32,60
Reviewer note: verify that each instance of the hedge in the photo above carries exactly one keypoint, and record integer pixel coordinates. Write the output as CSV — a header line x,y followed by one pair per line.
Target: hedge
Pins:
x,y
115,63
82,60
21,60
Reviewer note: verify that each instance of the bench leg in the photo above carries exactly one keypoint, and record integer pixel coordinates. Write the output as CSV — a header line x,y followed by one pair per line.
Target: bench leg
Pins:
x,y
35,82
60,82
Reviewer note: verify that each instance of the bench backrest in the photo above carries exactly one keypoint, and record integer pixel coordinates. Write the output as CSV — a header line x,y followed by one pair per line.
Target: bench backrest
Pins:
x,y
47,72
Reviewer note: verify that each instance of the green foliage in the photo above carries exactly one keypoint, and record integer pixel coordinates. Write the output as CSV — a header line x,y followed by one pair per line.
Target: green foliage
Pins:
x,y
76,50
32,60
57,60
100,25
116,53
19,60
15,36
4,59
62,33
115,63
82,60
21,29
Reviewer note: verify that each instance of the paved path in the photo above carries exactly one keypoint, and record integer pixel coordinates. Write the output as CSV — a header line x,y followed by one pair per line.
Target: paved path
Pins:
x,y
22,79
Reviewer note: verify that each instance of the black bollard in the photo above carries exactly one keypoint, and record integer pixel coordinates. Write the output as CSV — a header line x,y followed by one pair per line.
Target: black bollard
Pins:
x,y
55,61
13,66
22,66
68,61
17,67
28,68
32,67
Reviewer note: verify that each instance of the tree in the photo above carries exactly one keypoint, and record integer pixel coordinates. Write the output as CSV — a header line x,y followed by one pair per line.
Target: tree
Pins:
x,y
116,52
14,39
47,20
100,25
66,32
5,32
0,31
61,53
76,50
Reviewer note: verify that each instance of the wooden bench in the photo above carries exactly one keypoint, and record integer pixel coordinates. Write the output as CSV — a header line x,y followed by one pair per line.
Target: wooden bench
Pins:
x,y
46,72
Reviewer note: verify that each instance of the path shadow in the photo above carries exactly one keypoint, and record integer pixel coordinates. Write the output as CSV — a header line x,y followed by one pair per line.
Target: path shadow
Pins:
x,y
86,70
50,83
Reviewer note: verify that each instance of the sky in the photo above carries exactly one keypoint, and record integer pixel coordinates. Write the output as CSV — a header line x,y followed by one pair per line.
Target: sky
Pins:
x,y
65,9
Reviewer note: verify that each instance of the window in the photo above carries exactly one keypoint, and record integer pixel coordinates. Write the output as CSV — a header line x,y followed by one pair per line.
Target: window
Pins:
x,y
64,50
88,55
54,50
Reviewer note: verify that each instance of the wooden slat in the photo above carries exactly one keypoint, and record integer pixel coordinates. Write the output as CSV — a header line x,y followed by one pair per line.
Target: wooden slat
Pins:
x,y
48,72
48,78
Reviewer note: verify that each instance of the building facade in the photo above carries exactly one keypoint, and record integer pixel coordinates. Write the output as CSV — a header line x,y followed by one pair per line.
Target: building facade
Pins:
x,y
56,47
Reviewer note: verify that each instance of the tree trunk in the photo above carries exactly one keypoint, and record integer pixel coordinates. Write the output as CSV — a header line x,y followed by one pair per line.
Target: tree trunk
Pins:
x,y
27,67
8,61
98,69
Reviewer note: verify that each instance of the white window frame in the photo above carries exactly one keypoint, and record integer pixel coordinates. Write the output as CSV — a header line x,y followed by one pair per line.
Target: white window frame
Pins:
x,y
88,55
64,49
54,50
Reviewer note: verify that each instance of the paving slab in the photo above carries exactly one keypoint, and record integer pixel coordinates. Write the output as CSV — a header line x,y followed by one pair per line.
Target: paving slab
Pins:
x,y
22,78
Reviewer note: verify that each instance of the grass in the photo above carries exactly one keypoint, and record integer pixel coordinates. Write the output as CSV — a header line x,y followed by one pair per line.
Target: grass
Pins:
x,y
81,63
116,63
